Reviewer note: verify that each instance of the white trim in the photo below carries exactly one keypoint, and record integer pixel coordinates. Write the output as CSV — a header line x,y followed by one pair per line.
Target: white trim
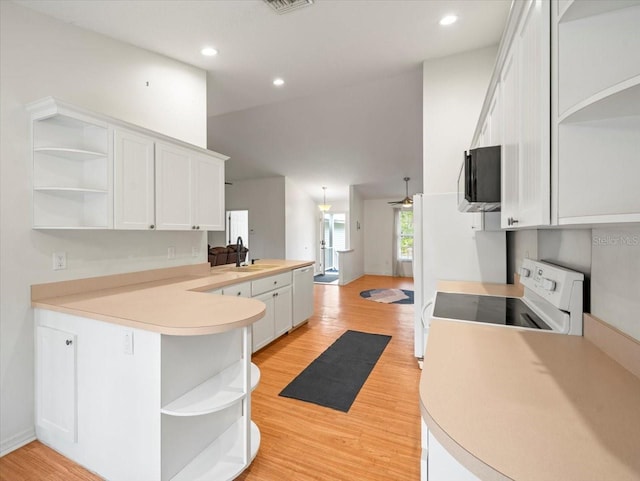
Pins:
x,y
17,441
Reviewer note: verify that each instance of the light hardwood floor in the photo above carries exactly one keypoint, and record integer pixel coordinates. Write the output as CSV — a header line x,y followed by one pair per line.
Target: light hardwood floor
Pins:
x,y
378,439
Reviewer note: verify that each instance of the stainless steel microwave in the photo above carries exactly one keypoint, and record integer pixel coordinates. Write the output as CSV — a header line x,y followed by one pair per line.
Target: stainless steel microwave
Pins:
x,y
479,180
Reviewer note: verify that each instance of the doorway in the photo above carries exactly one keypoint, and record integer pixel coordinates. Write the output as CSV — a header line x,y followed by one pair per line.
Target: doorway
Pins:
x,y
333,239
237,226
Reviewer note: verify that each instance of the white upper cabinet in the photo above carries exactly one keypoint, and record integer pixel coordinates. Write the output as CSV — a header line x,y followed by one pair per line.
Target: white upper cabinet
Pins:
x,y
208,197
173,188
510,155
526,114
188,193
134,202
95,172
516,115
596,112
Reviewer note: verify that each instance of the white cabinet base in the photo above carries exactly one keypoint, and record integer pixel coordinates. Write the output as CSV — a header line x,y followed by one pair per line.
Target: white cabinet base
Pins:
x,y
172,408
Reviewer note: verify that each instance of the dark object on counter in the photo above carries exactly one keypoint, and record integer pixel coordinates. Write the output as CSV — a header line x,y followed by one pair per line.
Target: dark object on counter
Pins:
x,y
219,256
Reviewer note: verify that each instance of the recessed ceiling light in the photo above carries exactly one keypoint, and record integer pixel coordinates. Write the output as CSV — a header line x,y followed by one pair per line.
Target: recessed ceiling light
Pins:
x,y
278,82
209,52
448,20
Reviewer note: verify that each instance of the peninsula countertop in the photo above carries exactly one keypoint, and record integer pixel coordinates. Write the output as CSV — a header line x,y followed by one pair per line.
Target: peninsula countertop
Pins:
x,y
513,404
169,301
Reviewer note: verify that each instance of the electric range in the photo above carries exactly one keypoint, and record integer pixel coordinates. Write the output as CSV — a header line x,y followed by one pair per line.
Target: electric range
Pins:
x,y
552,302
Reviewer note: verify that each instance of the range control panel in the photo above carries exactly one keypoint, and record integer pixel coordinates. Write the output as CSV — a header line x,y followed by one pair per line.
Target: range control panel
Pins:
x,y
553,283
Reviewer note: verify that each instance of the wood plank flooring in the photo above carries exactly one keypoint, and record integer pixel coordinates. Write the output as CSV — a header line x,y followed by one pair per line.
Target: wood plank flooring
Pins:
x,y
378,439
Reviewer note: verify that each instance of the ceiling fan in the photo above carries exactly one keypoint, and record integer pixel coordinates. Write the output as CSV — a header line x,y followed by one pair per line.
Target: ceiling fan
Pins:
x,y
407,201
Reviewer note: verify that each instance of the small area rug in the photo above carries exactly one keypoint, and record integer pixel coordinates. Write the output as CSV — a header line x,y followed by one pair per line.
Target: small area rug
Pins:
x,y
389,296
326,279
335,378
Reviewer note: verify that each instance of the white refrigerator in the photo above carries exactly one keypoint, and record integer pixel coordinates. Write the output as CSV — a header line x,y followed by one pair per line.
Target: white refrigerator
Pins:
x,y
448,245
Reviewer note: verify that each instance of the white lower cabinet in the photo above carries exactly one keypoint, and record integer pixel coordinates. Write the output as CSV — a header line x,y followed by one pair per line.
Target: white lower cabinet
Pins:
x,y
56,391
264,330
277,320
288,297
275,292
441,466
147,406
283,322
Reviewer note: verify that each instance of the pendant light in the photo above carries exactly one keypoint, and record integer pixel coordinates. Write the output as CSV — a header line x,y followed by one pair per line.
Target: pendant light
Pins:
x,y
324,207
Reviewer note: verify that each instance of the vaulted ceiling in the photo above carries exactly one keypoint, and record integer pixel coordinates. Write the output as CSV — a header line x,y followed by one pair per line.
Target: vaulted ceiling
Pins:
x,y
330,46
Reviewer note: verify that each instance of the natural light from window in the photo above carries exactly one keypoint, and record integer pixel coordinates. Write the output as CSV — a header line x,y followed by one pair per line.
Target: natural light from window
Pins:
x,y
405,235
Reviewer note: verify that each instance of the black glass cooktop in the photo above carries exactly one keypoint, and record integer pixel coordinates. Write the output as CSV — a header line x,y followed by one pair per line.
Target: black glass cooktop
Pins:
x,y
508,311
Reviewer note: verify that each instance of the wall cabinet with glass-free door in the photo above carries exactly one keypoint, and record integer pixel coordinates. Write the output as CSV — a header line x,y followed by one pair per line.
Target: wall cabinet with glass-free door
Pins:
x,y
165,187
95,172
525,91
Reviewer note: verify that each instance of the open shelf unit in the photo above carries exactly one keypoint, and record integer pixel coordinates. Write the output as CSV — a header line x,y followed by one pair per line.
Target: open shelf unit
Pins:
x,y
206,386
215,394
597,112
223,459
72,169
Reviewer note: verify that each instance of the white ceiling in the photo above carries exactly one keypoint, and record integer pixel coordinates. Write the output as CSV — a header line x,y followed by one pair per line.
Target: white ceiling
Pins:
x,y
328,45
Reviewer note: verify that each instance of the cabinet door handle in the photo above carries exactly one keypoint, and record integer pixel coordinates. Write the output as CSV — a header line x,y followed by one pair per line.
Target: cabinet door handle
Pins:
x,y
512,221
68,342
238,293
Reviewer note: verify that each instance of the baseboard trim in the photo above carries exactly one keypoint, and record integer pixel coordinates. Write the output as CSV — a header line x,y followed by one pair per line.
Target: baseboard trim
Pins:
x,y
17,441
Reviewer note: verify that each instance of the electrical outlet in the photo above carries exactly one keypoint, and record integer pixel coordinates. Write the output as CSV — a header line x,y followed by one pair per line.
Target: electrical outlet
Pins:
x,y
59,261
127,343
195,252
171,253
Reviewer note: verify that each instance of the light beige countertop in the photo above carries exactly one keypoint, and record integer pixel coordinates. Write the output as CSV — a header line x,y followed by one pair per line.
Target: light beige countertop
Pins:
x,y
169,301
528,405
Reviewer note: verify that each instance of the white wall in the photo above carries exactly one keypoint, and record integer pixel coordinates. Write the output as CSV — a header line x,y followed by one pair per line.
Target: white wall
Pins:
x,y
378,238
300,223
608,256
332,138
354,261
265,200
615,279
40,56
454,88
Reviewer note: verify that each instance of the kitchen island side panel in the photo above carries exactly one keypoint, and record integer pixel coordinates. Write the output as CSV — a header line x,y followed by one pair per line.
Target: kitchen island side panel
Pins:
x,y
117,384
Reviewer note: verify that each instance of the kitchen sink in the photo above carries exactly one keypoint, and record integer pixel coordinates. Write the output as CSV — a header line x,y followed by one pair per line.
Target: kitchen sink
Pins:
x,y
254,267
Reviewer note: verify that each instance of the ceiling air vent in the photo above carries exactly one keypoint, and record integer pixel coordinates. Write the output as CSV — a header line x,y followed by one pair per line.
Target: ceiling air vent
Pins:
x,y
284,6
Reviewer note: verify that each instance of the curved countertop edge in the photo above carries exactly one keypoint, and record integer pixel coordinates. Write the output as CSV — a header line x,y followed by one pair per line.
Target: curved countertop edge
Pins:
x,y
569,371
133,304
161,329
464,457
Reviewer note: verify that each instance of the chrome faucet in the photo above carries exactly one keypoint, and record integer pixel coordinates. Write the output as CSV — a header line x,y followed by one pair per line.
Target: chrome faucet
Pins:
x,y
239,247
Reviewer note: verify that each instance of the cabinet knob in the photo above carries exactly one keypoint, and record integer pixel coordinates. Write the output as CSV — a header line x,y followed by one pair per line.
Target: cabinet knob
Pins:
x,y
68,342
152,226
512,221
193,226
238,293
198,227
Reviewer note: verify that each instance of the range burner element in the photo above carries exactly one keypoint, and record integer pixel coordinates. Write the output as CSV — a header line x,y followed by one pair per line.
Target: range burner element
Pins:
x,y
508,311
